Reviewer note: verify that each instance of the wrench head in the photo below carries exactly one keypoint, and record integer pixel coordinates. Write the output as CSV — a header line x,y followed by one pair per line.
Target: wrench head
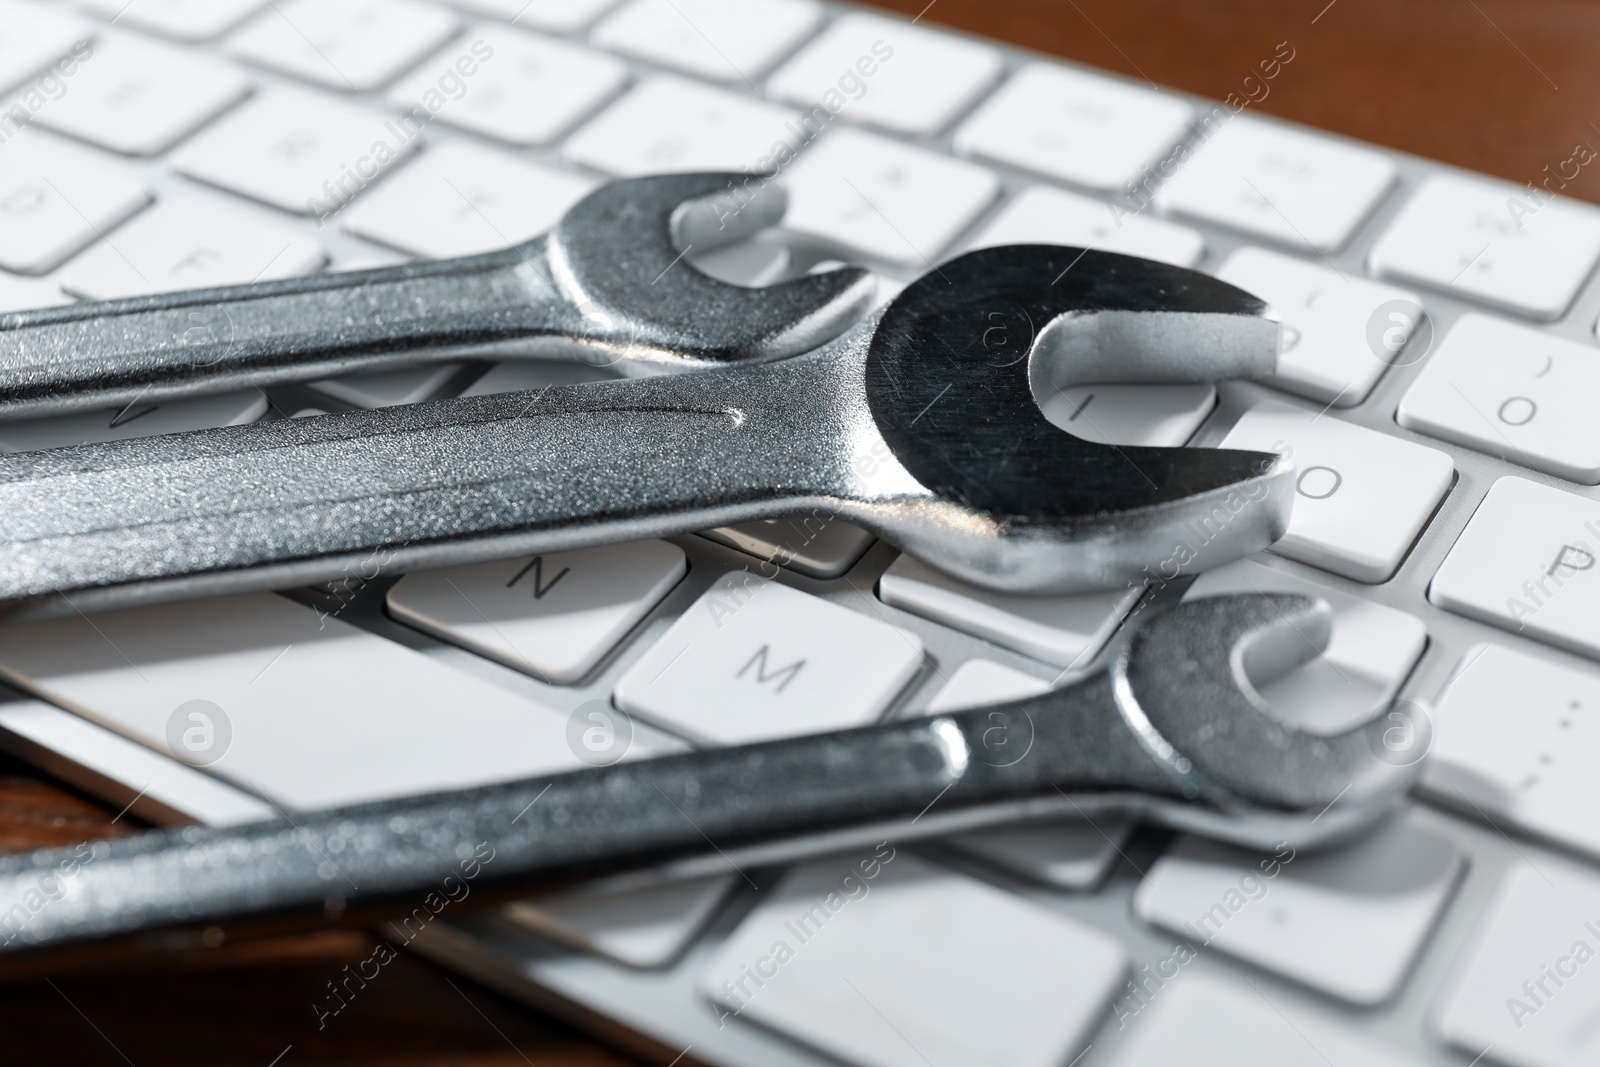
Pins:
x,y
619,255
952,376
1184,685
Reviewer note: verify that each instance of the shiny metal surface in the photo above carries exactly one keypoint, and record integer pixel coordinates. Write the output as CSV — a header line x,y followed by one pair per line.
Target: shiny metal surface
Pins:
x,y
608,284
1171,731
916,425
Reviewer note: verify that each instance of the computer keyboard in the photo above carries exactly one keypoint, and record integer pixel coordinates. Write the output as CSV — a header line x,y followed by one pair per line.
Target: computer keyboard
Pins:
x,y
1438,349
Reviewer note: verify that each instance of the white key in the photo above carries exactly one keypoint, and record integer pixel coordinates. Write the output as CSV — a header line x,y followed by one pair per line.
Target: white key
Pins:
x,y
186,20
755,264
300,707
1156,415
525,89
1207,1022
1362,497
1514,392
1490,242
354,45
1070,124
140,99
22,294
1529,987
303,707
33,36
669,124
1042,215
866,68
187,243
1524,563
521,375
458,199
639,928
1064,631
155,786
559,15
869,939
1339,333
554,616
814,545
1371,651
297,151
57,198
390,388
1071,854
753,660
1297,188
135,420
880,198
1515,739
1349,921
727,40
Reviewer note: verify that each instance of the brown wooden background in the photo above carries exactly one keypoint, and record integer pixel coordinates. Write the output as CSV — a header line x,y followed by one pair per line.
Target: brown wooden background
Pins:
x,y
1502,86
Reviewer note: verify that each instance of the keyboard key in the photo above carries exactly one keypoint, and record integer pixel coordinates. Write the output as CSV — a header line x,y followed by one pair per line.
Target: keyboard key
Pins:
x,y
1041,215
1488,241
553,616
870,941
1204,1020
1076,126
727,40
869,195
1070,854
1515,740
1065,631
559,15
353,45
294,704
1524,563
1300,189
155,786
1162,415
886,72
1349,921
185,20
191,244
1528,988
1339,333
669,124
1514,392
300,152
1371,651
57,198
530,92
458,199
390,388
755,264
521,375
135,420
22,294
753,660
813,545
32,36
640,928
140,99
1362,497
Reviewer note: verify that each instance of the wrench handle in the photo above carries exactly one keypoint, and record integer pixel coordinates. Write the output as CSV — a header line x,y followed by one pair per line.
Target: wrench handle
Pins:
x,y
277,504
98,355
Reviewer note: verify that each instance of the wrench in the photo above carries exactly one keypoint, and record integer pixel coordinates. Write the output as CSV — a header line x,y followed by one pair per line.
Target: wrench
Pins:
x,y
1172,730
605,284
920,424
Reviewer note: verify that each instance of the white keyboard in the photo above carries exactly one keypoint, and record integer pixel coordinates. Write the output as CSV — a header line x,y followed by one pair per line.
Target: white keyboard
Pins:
x,y
1440,365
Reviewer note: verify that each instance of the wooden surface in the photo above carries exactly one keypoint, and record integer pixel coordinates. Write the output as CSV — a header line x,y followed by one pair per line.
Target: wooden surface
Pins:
x,y
1498,86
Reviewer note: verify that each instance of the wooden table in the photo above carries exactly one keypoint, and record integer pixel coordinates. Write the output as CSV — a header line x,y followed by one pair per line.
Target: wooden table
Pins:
x,y
1502,86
